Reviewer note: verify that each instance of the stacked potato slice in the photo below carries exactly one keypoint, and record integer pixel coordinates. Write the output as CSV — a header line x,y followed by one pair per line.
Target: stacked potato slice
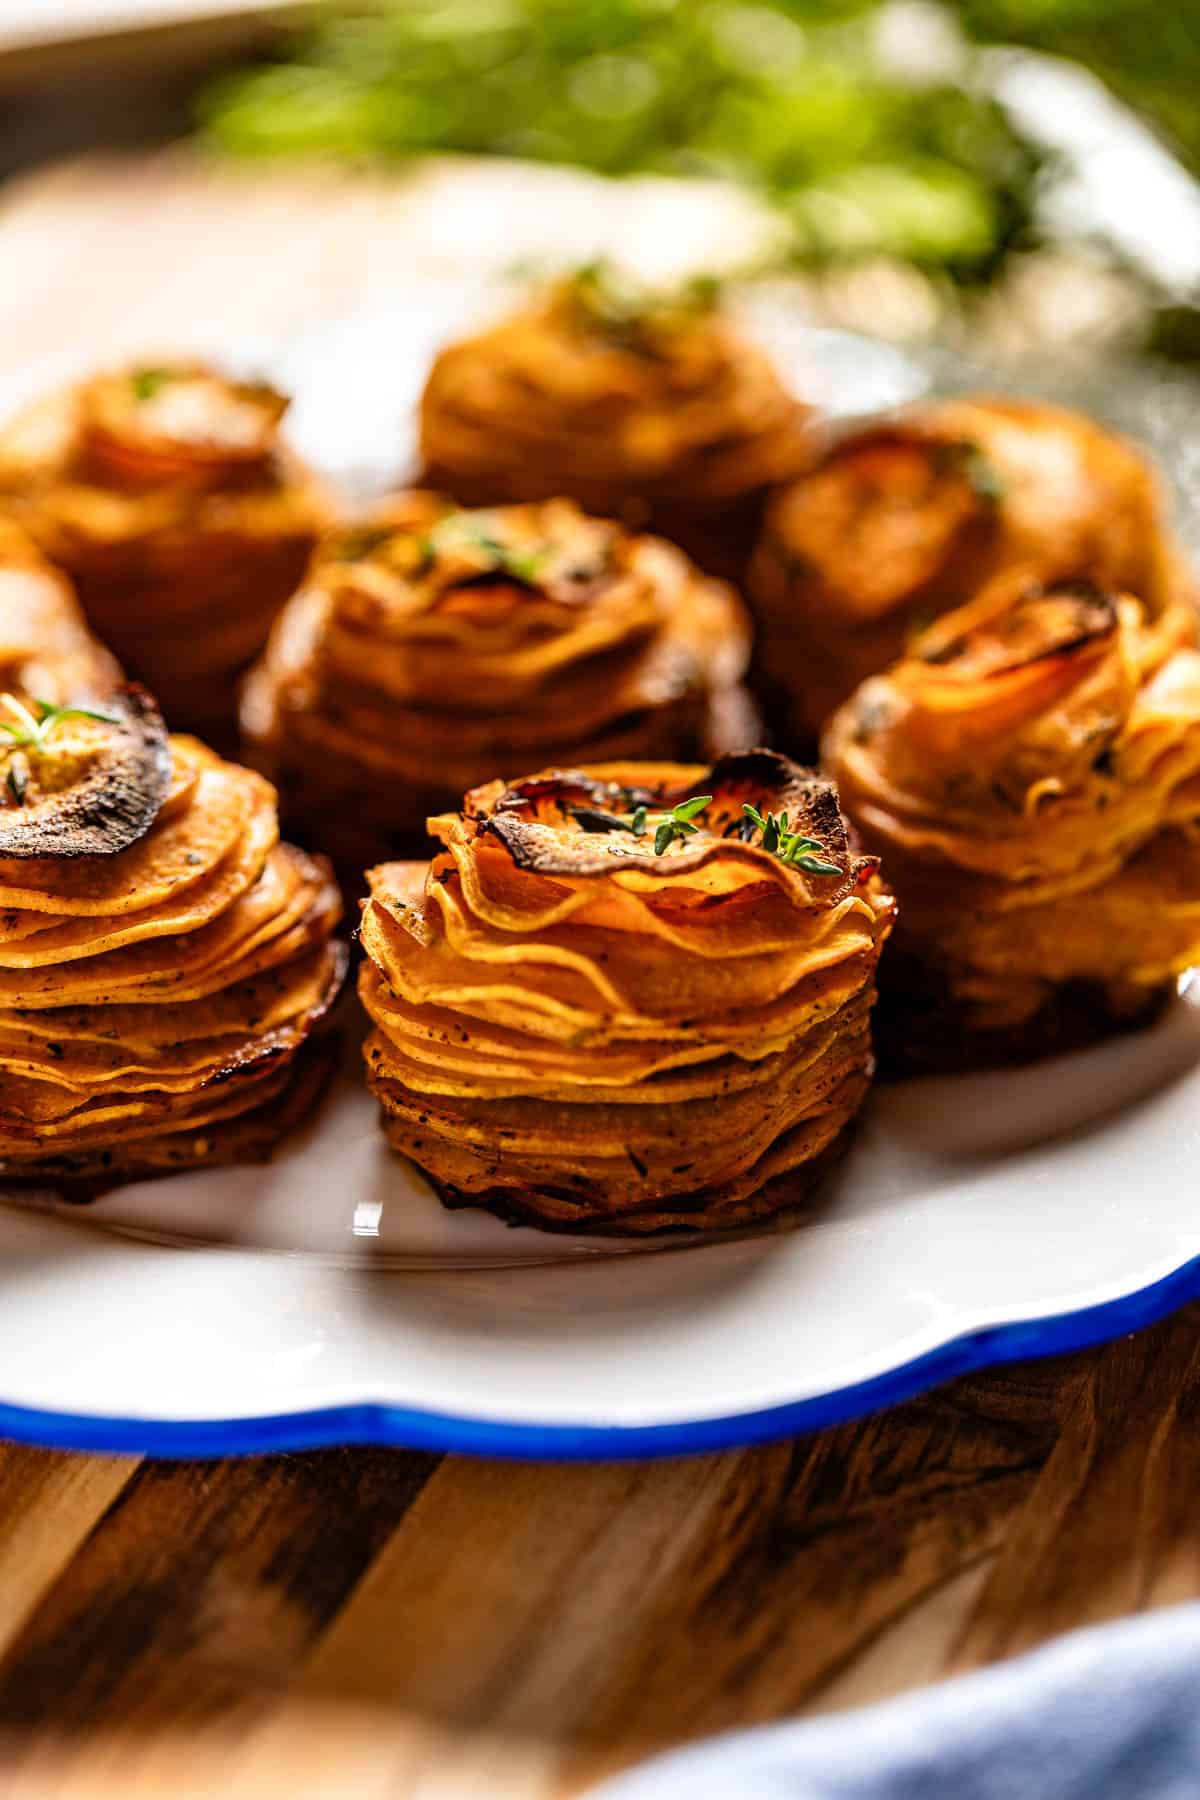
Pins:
x,y
904,518
164,961
45,647
650,407
616,1001
169,498
432,648
1031,774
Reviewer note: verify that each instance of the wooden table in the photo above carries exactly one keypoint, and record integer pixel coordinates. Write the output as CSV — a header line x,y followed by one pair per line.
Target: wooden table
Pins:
x,y
379,1623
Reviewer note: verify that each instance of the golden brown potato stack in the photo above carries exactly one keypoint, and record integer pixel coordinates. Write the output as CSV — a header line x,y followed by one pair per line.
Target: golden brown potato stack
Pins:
x,y
1030,771
170,499
647,407
46,648
432,648
631,999
165,963
904,518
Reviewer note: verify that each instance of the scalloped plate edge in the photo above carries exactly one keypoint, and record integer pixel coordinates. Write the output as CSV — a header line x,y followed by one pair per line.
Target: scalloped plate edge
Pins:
x,y
404,1428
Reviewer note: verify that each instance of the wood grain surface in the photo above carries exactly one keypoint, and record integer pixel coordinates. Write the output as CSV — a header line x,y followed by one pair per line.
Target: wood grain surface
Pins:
x,y
374,1623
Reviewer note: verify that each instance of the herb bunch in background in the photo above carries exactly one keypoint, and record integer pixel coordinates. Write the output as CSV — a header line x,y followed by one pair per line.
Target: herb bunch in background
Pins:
x,y
793,97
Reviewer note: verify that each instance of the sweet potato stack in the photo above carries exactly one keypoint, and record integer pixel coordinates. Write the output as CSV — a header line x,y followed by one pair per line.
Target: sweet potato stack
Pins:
x,y
647,406
618,1000
169,498
45,646
904,518
1030,773
165,962
432,649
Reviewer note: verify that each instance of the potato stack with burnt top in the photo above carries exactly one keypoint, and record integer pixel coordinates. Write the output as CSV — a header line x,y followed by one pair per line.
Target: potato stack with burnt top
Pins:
x,y
165,963
1030,772
631,999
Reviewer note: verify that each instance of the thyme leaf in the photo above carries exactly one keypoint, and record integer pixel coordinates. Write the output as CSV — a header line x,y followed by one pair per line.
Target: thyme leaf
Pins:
x,y
146,382
678,822
462,531
791,847
667,826
29,730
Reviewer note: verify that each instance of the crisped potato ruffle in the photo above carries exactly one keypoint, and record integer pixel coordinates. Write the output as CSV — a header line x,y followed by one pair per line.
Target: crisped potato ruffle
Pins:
x,y
1031,773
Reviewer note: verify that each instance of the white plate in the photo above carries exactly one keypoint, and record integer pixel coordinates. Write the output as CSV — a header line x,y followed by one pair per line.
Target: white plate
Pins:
x,y
328,1298
977,1218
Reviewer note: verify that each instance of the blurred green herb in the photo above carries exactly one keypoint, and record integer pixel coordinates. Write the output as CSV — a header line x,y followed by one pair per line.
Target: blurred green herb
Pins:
x,y
678,823
30,728
791,96
146,382
473,531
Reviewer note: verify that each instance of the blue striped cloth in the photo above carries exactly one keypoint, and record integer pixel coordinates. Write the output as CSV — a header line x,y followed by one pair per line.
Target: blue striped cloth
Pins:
x,y
1107,1714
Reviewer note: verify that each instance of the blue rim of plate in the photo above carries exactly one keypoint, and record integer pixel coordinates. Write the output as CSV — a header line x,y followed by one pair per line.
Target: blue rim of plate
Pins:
x,y
410,1428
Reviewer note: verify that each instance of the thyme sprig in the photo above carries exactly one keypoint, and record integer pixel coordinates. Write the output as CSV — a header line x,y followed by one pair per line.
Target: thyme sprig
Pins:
x,y
678,823
462,531
146,382
791,847
626,310
977,469
29,729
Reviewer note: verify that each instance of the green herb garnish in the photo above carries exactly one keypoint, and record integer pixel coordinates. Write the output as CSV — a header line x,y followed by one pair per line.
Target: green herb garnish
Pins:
x,y
146,382
667,826
626,310
977,469
791,847
360,541
678,822
30,729
983,477
17,783
461,530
